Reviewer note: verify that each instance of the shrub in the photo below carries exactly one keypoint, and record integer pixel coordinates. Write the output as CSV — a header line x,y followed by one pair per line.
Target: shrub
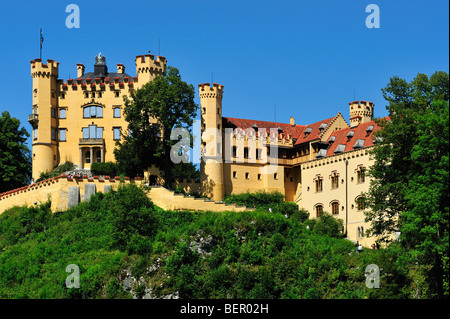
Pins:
x,y
328,225
105,169
258,199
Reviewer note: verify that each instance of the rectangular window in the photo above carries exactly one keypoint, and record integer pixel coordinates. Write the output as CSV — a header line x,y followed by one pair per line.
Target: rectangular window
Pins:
x,y
275,176
53,110
53,134
319,185
116,131
35,134
234,174
85,132
334,181
361,177
62,113
117,112
62,135
92,131
93,112
259,177
247,176
99,132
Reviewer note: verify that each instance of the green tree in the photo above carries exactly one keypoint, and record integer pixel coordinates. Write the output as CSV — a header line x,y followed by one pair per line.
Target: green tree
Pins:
x,y
409,192
15,156
152,112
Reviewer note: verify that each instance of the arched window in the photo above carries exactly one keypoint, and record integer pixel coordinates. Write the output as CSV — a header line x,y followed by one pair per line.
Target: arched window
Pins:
x,y
319,210
360,205
92,111
335,208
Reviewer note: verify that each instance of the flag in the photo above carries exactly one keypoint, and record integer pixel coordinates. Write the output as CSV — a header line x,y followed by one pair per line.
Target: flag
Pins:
x,y
42,38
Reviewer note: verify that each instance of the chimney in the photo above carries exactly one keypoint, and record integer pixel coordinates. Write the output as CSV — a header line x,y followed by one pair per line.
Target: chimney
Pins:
x,y
80,70
292,121
120,68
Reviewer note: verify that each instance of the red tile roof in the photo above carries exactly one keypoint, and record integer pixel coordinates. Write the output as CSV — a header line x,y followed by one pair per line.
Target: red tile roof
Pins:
x,y
293,131
360,133
302,138
296,131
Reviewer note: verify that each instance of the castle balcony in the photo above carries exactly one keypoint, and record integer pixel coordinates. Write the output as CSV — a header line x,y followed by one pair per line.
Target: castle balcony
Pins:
x,y
91,141
33,119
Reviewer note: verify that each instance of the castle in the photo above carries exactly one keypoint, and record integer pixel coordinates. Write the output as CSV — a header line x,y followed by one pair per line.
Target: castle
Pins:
x,y
320,166
79,120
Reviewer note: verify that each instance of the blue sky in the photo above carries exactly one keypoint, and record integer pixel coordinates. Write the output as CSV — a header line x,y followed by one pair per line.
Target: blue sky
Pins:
x,y
308,58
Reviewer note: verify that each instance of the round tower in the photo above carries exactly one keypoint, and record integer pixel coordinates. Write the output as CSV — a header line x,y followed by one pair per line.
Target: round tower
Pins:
x,y
44,116
360,112
211,166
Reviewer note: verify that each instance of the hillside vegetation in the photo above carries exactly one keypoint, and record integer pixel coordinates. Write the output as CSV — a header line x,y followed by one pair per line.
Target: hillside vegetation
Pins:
x,y
126,247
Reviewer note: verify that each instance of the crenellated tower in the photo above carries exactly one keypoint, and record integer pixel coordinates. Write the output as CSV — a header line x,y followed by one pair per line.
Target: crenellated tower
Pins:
x,y
44,119
211,166
147,68
360,112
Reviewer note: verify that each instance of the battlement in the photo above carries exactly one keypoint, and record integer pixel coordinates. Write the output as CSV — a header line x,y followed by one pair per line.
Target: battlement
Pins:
x,y
360,112
360,104
208,91
147,64
38,68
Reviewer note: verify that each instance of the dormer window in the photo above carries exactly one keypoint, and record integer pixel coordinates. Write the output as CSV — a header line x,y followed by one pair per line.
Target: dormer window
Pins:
x,y
308,131
322,126
369,130
332,139
322,153
340,149
279,129
350,135
378,139
359,143
255,127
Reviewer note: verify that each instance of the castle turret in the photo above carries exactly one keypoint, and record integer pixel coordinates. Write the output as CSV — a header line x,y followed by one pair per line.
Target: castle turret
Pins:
x,y
147,68
360,112
44,116
211,164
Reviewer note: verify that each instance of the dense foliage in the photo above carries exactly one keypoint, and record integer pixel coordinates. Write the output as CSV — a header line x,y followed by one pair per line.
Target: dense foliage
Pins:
x,y
153,112
15,156
121,237
410,189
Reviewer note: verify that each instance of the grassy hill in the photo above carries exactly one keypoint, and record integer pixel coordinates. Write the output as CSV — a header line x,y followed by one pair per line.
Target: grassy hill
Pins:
x,y
125,247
